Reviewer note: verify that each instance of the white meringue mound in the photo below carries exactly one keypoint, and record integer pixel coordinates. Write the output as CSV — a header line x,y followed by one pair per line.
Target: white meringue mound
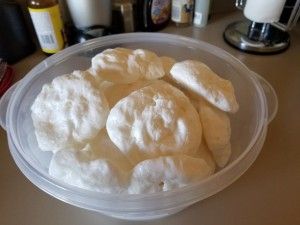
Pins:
x,y
154,121
216,131
205,154
150,65
201,80
167,62
120,65
115,92
83,170
133,123
167,173
102,147
68,111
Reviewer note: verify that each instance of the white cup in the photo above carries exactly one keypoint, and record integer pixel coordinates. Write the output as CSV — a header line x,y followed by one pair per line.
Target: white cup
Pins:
x,y
89,13
263,11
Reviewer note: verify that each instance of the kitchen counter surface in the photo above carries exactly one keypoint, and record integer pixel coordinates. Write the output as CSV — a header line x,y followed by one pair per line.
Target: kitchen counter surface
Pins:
x,y
268,193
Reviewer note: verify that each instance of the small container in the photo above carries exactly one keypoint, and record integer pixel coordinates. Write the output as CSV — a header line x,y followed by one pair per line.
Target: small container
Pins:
x,y
256,97
201,13
182,12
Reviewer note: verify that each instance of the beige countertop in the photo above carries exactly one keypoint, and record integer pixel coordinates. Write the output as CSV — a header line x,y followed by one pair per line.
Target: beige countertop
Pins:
x,y
268,193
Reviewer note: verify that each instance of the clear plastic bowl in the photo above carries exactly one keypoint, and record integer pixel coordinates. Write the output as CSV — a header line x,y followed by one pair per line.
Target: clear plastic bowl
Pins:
x,y
258,106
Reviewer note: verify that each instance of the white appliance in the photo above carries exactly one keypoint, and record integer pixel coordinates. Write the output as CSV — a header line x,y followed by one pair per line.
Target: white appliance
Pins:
x,y
266,29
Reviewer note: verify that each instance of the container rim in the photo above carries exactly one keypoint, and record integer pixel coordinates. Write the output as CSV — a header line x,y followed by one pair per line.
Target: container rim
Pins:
x,y
94,196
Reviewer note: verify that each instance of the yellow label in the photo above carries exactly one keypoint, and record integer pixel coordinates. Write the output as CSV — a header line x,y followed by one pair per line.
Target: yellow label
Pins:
x,y
49,28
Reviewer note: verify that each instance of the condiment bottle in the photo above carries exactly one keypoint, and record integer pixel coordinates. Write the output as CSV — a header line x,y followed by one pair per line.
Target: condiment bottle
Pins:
x,y
182,12
201,13
48,24
153,14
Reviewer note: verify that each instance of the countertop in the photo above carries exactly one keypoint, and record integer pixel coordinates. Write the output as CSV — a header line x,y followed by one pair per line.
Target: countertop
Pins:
x,y
268,193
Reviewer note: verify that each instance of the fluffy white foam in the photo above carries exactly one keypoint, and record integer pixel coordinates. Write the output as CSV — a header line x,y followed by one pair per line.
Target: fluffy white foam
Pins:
x,y
204,153
121,65
149,64
199,78
167,63
103,148
153,121
115,92
222,156
216,131
68,111
167,173
153,136
82,169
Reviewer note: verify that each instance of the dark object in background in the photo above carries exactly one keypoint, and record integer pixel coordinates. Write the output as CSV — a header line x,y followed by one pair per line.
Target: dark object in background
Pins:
x,y
287,11
15,40
6,77
123,16
76,36
117,25
153,15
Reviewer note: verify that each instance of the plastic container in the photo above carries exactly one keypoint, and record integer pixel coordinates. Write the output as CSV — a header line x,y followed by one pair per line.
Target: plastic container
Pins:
x,y
258,106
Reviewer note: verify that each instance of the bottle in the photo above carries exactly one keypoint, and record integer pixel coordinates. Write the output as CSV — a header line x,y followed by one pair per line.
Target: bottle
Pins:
x,y
48,24
182,12
201,13
153,15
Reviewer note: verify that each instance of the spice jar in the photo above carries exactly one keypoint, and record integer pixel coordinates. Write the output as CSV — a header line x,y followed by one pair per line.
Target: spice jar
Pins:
x,y
182,12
